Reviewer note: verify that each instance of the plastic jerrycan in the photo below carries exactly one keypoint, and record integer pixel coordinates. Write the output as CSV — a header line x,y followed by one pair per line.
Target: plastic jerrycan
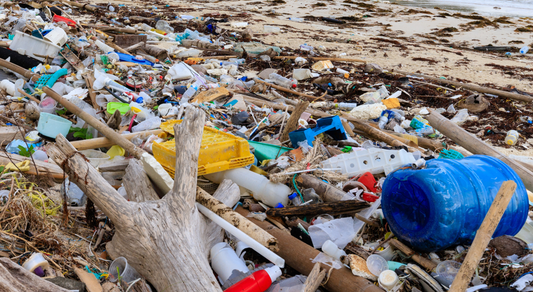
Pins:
x,y
444,204
262,189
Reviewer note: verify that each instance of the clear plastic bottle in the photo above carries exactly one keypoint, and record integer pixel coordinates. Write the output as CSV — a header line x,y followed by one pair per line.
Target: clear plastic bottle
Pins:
x,y
511,138
383,120
164,26
282,81
295,199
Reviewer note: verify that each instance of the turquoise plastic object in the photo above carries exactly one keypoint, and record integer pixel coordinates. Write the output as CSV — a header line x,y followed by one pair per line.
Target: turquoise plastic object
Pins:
x,y
444,204
42,81
51,125
330,125
58,74
450,154
264,151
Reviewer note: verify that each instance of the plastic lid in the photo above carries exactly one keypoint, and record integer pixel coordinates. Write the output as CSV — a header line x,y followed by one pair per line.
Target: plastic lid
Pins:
x,y
294,195
279,205
274,272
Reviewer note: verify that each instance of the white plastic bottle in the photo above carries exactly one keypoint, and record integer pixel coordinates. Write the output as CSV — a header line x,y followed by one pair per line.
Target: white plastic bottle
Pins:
x,y
332,250
512,137
262,189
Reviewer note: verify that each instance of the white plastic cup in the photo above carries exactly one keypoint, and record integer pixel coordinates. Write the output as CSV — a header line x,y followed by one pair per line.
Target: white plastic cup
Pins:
x,y
57,36
377,264
388,279
224,261
127,273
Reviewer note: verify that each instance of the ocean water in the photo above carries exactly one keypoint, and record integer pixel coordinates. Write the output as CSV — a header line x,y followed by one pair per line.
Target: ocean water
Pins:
x,y
511,8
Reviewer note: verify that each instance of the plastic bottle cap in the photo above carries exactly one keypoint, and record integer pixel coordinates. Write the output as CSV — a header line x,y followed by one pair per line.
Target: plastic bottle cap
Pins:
x,y
294,195
274,272
279,205
294,86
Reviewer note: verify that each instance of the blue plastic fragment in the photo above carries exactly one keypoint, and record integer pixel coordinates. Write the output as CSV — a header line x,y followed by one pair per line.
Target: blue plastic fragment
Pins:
x,y
330,125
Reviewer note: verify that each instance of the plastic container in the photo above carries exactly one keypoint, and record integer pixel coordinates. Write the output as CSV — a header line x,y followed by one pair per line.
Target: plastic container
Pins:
x,y
330,125
259,281
219,151
388,279
281,81
511,138
524,50
372,160
267,151
526,233
75,196
224,261
262,189
29,45
126,272
332,250
57,36
35,261
446,272
272,29
95,157
301,74
376,264
444,204
52,125
8,86
142,112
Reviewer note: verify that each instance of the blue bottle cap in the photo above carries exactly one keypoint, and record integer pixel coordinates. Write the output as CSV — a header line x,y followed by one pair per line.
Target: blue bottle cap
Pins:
x,y
294,195
279,205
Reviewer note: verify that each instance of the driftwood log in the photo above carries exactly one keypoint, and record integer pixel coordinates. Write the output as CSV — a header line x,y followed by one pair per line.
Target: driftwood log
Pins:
x,y
292,123
334,208
165,240
483,237
299,256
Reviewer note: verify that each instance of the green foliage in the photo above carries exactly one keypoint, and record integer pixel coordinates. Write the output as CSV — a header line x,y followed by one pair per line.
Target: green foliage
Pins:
x,y
26,152
80,133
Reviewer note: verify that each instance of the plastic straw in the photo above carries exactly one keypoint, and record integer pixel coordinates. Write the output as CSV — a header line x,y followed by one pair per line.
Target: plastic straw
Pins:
x,y
268,254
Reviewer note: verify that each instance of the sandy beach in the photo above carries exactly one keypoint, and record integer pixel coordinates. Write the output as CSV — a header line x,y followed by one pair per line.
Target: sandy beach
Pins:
x,y
432,41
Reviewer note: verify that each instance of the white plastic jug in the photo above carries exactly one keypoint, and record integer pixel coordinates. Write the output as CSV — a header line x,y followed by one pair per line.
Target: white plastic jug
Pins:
x,y
224,261
262,189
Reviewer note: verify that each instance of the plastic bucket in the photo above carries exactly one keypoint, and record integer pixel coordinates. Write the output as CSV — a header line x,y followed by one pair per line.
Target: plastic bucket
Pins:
x,y
445,203
57,36
126,272
224,261
52,125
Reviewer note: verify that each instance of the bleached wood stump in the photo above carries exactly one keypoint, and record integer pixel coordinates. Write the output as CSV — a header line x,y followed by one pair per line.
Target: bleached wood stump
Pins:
x,y
166,240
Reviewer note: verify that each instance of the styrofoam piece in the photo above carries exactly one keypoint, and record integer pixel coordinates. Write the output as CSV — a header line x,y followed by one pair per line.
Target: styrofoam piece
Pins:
x,y
29,45
372,160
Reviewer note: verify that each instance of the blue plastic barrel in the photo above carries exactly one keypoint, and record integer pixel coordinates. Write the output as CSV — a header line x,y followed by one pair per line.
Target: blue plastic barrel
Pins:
x,y
444,204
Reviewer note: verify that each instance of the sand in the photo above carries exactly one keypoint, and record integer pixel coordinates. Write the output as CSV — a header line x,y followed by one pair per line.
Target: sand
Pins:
x,y
410,26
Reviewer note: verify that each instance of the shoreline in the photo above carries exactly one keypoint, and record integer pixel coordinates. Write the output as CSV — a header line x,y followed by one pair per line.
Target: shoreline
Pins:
x,y
432,41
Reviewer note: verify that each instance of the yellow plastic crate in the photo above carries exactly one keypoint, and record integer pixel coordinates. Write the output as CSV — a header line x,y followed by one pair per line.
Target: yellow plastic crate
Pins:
x,y
219,151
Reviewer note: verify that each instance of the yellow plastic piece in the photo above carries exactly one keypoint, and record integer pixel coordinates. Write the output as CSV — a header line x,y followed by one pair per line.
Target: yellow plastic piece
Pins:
x,y
115,150
23,166
219,151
